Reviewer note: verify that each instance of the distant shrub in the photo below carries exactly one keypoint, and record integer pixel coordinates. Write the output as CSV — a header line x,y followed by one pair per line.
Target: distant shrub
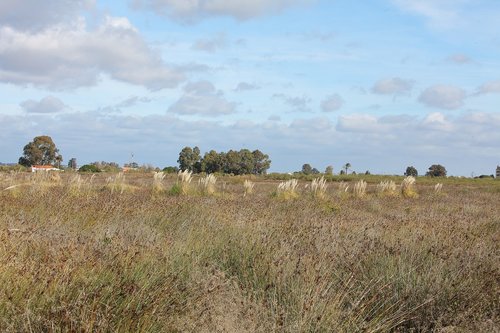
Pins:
x,y
170,169
89,168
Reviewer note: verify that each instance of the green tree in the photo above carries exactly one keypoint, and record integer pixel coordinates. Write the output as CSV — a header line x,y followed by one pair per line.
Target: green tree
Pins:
x,y
212,162
261,162
347,166
306,169
189,159
232,162
411,171
41,151
329,170
436,170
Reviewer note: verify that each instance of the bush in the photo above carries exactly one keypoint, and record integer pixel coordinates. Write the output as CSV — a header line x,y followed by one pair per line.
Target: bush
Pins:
x,y
89,168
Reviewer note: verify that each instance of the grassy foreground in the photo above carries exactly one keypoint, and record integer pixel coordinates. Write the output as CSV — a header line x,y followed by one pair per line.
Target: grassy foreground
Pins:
x,y
86,255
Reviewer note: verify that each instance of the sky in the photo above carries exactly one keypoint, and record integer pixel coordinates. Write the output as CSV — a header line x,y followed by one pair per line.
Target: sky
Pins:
x,y
379,84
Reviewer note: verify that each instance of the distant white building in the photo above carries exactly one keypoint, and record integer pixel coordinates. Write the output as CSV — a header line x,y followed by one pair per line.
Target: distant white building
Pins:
x,y
498,171
38,168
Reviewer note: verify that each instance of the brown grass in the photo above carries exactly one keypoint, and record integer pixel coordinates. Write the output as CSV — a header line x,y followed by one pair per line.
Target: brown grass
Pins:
x,y
75,256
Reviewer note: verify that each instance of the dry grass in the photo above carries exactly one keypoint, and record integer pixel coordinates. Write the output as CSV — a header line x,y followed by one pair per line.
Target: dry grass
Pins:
x,y
318,188
288,189
158,178
360,188
387,187
207,184
248,187
408,187
112,261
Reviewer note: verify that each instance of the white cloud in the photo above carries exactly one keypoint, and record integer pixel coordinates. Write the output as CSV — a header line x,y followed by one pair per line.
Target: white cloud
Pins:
x,y
245,86
332,103
298,104
443,97
212,44
201,98
193,10
48,104
437,121
439,13
34,15
393,86
492,87
69,55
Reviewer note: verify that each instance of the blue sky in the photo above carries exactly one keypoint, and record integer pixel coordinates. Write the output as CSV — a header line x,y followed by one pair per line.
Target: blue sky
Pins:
x,y
381,84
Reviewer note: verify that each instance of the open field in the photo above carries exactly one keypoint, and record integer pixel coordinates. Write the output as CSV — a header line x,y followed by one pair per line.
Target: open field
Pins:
x,y
106,254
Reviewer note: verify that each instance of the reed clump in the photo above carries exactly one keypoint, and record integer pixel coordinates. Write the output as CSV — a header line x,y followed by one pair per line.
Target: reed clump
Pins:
x,y
318,188
117,183
207,184
360,188
288,189
183,184
248,187
387,188
408,187
158,178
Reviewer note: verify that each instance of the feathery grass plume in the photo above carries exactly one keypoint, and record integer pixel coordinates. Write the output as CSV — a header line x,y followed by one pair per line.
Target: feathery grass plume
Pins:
x,y
343,187
360,188
116,183
248,185
183,182
437,188
75,184
387,187
318,187
288,189
207,184
158,181
407,187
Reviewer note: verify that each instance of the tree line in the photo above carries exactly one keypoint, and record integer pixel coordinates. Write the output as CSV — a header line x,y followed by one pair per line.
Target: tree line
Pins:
x,y
233,162
43,151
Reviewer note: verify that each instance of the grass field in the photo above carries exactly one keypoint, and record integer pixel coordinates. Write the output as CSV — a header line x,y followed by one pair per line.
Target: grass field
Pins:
x,y
107,253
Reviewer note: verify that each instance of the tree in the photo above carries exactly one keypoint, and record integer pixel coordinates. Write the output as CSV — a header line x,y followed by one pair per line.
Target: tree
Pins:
x,y
436,170
108,166
411,171
329,170
41,151
212,162
189,159
306,169
261,162
347,166
315,171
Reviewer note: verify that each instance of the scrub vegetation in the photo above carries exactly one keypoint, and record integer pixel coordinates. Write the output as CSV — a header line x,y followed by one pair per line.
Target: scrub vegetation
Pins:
x,y
123,253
